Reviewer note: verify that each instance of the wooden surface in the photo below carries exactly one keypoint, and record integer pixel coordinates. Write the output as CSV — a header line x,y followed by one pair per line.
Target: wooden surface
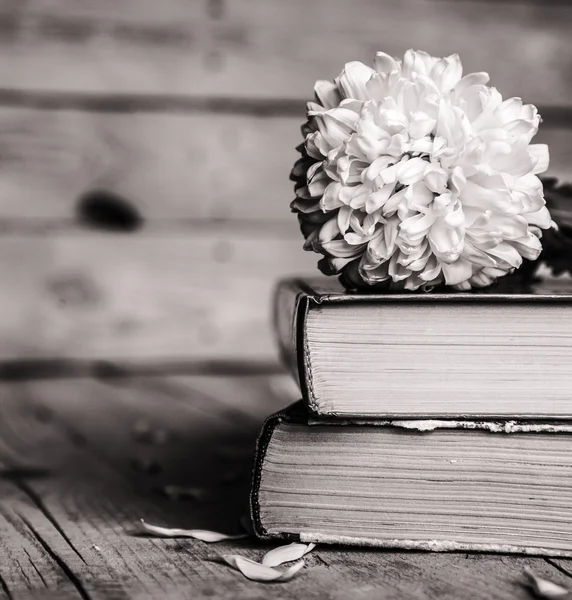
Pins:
x,y
145,150
78,470
144,157
163,297
272,49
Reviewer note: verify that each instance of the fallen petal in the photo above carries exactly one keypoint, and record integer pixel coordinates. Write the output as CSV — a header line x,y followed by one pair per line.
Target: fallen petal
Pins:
x,y
198,534
288,553
258,572
545,589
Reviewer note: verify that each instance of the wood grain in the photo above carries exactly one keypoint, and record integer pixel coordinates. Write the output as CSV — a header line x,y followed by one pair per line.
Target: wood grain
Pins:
x,y
273,49
168,167
84,512
161,297
173,169
27,569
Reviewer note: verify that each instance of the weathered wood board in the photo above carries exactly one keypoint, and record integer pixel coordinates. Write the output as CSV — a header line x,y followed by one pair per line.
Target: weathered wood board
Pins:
x,y
270,48
167,166
196,294
71,533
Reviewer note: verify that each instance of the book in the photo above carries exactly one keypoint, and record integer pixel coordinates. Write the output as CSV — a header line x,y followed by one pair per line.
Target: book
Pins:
x,y
452,355
429,485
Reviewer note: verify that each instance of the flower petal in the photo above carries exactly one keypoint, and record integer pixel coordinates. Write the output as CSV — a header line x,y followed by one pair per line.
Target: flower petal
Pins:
x,y
328,93
331,198
416,227
446,241
436,179
329,231
540,218
540,156
344,215
418,62
257,572
377,199
360,194
529,246
480,78
199,534
385,64
287,553
341,249
507,253
421,125
447,72
411,171
457,272
336,125
354,78
545,589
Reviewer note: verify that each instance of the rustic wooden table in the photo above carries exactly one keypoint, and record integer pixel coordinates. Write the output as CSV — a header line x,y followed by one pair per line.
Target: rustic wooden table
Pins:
x,y
83,459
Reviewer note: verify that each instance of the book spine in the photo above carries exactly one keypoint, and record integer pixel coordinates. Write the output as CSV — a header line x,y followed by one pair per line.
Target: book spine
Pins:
x,y
261,446
291,303
285,307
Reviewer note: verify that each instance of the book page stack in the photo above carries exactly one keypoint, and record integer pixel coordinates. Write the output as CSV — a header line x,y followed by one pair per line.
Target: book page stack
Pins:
x,y
427,421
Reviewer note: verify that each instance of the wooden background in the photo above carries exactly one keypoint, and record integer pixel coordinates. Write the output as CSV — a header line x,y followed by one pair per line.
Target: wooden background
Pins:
x,y
145,149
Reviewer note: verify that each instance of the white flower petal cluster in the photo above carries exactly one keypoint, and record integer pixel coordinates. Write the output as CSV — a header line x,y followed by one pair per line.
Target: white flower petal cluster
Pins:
x,y
414,175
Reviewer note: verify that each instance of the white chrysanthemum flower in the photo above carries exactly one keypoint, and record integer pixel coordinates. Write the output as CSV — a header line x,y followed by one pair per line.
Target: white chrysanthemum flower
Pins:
x,y
416,176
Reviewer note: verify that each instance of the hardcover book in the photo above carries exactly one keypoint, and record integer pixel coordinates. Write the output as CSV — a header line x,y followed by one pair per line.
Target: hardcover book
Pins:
x,y
438,485
452,355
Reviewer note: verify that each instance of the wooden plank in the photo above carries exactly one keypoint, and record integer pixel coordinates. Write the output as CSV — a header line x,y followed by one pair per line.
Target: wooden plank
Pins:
x,y
27,569
87,529
105,46
94,503
93,499
182,296
168,167
172,169
195,433
313,41
273,49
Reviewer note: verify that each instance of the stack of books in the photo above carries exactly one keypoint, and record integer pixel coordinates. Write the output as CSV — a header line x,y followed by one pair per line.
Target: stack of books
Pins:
x,y
428,421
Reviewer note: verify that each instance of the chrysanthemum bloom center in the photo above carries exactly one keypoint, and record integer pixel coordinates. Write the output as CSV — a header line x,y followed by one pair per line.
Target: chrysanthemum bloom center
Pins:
x,y
413,175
